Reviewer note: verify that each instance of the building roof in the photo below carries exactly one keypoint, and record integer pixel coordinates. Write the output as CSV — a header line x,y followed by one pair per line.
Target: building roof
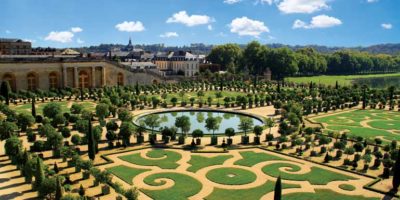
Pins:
x,y
11,40
70,52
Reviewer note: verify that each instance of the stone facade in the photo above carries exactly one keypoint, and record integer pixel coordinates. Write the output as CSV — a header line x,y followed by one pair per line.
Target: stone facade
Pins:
x,y
31,75
15,47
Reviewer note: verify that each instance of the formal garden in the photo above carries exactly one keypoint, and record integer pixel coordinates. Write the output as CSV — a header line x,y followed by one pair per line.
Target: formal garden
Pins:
x,y
200,140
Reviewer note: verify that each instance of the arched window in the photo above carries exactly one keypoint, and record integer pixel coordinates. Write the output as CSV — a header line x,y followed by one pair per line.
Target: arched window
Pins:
x,y
53,80
120,79
10,78
33,81
84,79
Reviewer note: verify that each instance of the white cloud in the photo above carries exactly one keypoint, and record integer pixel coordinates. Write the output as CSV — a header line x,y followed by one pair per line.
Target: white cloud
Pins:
x,y
302,6
269,2
76,29
372,1
193,20
29,40
62,36
232,1
79,41
387,26
209,27
169,35
132,26
7,32
320,21
247,27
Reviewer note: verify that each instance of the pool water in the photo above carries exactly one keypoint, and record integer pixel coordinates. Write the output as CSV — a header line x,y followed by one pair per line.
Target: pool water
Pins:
x,y
198,120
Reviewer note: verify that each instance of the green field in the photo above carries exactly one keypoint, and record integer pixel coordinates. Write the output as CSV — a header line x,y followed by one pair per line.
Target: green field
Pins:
x,y
369,124
342,79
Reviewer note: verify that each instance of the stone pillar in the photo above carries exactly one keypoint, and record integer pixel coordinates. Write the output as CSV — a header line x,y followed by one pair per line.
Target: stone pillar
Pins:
x,y
76,76
65,83
103,76
93,77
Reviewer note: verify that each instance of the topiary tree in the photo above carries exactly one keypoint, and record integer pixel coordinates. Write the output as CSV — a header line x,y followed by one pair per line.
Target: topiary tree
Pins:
x,y
257,131
396,173
81,191
7,129
76,108
278,189
39,173
197,134
124,115
183,122
59,189
91,141
212,123
5,91
102,110
245,125
230,132
126,130
33,107
25,120
152,121
51,110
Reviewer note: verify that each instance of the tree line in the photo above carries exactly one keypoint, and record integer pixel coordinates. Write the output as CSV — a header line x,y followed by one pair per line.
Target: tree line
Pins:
x,y
255,58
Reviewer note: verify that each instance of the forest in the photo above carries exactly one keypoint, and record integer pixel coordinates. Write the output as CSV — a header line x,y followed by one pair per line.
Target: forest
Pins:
x,y
255,58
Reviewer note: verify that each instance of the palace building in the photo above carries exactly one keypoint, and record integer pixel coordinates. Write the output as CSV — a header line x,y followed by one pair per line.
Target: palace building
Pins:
x,y
43,72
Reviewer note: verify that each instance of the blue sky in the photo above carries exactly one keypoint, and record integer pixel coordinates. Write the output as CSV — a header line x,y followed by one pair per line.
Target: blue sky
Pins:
x,y
72,23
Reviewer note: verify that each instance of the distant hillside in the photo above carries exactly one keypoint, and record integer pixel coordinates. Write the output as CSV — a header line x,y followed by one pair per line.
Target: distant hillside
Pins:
x,y
392,49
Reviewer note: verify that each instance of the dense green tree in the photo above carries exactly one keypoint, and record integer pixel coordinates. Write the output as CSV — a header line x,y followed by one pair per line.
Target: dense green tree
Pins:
x,y
7,129
102,110
50,110
25,120
227,55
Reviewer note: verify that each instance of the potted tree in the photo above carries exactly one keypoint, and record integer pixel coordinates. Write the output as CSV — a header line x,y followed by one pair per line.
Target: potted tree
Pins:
x,y
182,122
166,134
212,123
229,132
257,131
197,134
245,125
152,121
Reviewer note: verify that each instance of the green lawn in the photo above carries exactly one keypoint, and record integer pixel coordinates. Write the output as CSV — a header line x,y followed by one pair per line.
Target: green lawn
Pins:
x,y
317,176
231,176
351,122
325,195
331,80
200,162
184,186
242,194
26,108
207,94
251,158
126,173
162,158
